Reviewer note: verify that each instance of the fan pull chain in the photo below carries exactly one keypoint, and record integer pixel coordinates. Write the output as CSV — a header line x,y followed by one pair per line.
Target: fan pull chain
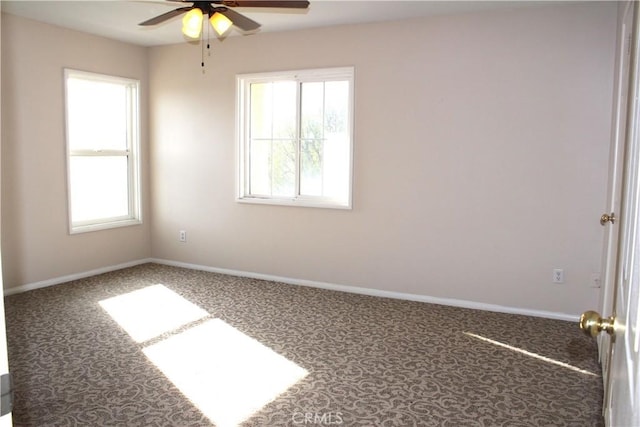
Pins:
x,y
202,52
202,47
208,40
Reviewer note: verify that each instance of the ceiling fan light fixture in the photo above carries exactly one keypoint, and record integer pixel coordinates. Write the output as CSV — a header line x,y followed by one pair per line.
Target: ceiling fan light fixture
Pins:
x,y
220,23
192,23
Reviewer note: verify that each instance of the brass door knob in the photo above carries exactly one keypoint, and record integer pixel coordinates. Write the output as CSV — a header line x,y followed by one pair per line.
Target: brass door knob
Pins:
x,y
605,218
592,323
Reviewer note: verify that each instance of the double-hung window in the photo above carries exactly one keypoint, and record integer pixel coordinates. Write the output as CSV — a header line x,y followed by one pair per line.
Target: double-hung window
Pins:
x,y
295,137
102,151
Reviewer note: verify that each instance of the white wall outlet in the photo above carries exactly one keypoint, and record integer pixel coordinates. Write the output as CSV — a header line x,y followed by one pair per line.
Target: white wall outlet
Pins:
x,y
595,281
558,275
182,236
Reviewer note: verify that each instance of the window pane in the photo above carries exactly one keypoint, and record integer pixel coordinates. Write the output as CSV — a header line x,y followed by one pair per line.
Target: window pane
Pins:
x,y
96,114
312,110
273,129
324,151
273,110
311,171
260,168
261,110
336,107
284,109
98,187
283,168
272,168
336,144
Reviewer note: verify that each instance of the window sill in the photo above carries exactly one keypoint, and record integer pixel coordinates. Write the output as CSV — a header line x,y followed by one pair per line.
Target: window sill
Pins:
x,y
77,229
306,203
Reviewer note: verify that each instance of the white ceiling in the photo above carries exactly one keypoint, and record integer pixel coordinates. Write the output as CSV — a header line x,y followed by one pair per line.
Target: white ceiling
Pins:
x,y
119,19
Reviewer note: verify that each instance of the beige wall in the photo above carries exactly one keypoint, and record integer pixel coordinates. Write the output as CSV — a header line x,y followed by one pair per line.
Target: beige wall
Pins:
x,y
481,146
481,149
36,245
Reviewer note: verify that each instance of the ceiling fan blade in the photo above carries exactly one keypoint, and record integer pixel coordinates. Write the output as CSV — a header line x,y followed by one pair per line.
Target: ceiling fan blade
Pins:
x,y
165,16
240,21
294,4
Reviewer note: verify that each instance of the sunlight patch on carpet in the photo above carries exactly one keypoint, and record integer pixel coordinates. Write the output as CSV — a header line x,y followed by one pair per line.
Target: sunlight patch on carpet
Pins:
x,y
531,354
226,374
150,312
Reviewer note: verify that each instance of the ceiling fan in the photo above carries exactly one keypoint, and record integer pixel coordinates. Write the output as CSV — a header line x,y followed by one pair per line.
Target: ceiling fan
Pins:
x,y
220,14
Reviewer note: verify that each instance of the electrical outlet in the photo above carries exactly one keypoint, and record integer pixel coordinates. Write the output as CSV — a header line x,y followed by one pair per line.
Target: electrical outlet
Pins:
x,y
595,280
558,275
182,236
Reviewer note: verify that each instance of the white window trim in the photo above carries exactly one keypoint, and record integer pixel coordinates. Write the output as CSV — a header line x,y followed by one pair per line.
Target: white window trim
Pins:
x,y
243,82
132,152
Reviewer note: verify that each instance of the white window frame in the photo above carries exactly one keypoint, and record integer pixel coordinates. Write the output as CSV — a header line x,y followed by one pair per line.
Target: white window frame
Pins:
x,y
243,85
132,152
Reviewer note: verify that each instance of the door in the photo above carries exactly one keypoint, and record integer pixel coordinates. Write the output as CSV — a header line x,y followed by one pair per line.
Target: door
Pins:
x,y
621,294
616,156
5,386
621,407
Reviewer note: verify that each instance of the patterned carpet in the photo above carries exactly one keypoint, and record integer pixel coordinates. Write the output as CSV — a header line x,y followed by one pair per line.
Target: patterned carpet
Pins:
x,y
155,345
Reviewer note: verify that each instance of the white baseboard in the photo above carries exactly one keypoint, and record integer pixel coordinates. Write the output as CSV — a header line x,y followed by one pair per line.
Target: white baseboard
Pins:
x,y
301,282
377,292
70,277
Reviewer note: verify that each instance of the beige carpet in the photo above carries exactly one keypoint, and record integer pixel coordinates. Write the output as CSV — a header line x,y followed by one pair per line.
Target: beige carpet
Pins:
x,y
162,346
